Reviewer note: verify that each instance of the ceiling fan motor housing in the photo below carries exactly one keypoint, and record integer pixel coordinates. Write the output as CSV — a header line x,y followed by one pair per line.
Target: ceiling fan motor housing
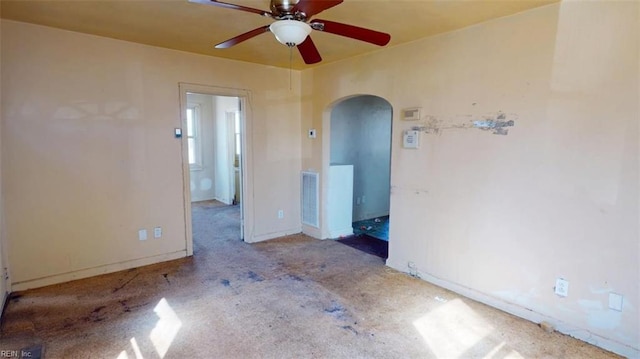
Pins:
x,y
283,7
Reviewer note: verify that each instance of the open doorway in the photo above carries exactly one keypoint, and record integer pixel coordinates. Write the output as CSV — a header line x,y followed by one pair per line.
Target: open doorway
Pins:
x,y
213,149
361,143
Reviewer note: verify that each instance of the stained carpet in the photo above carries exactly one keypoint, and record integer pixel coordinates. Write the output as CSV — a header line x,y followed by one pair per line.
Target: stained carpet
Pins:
x,y
292,297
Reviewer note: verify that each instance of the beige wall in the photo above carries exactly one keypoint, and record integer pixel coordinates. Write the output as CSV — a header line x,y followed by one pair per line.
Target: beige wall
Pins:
x,y
4,288
89,157
500,217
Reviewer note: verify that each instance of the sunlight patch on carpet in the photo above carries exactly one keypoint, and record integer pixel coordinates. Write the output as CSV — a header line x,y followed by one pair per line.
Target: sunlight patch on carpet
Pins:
x,y
166,329
454,330
136,348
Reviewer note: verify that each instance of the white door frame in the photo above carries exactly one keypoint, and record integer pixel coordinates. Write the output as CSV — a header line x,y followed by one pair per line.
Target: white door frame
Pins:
x,y
5,283
246,206
5,279
231,144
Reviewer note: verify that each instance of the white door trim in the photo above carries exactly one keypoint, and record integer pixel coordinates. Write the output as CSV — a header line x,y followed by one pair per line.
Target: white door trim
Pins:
x,y
247,175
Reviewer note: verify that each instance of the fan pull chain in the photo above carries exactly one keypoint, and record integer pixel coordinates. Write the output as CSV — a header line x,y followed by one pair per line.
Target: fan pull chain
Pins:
x,y
290,64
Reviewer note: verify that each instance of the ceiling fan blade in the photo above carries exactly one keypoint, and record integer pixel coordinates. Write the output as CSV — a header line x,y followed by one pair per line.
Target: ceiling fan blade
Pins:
x,y
354,32
309,51
240,38
233,6
313,7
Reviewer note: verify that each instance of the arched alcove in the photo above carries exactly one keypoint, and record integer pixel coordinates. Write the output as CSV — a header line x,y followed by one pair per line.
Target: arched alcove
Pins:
x,y
359,136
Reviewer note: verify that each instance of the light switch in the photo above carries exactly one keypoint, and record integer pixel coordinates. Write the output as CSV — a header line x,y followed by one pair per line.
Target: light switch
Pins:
x,y
142,234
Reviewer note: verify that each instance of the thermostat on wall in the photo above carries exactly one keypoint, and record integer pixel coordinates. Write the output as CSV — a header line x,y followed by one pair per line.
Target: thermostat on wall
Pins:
x,y
411,139
411,114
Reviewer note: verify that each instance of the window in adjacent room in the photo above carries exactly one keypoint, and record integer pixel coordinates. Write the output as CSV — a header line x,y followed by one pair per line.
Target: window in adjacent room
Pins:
x,y
193,137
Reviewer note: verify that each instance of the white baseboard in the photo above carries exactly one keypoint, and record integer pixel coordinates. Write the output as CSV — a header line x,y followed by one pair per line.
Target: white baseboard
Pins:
x,y
312,231
528,314
226,201
317,233
267,236
372,216
336,234
91,272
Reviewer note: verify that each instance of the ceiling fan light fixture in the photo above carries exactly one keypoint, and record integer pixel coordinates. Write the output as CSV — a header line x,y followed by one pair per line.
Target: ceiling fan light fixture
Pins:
x,y
290,32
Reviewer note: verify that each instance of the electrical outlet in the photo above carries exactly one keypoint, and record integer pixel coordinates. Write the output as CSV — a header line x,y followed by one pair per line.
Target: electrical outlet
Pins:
x,y
615,301
363,199
142,234
413,269
157,232
280,214
562,287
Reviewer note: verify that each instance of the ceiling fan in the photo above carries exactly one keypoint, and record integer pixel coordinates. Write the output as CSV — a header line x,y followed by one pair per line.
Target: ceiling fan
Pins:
x,y
292,26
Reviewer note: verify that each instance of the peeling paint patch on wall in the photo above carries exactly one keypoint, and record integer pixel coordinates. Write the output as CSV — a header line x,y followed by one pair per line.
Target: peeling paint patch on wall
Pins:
x,y
498,127
496,123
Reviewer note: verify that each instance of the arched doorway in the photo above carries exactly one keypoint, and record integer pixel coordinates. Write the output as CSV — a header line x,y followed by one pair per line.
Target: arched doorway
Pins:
x,y
360,144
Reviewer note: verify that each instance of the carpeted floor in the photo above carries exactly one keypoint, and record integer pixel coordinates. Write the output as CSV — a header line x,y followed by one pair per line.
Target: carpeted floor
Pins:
x,y
213,222
293,297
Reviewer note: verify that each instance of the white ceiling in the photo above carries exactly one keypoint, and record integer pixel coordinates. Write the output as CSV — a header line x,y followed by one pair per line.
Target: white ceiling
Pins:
x,y
192,27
